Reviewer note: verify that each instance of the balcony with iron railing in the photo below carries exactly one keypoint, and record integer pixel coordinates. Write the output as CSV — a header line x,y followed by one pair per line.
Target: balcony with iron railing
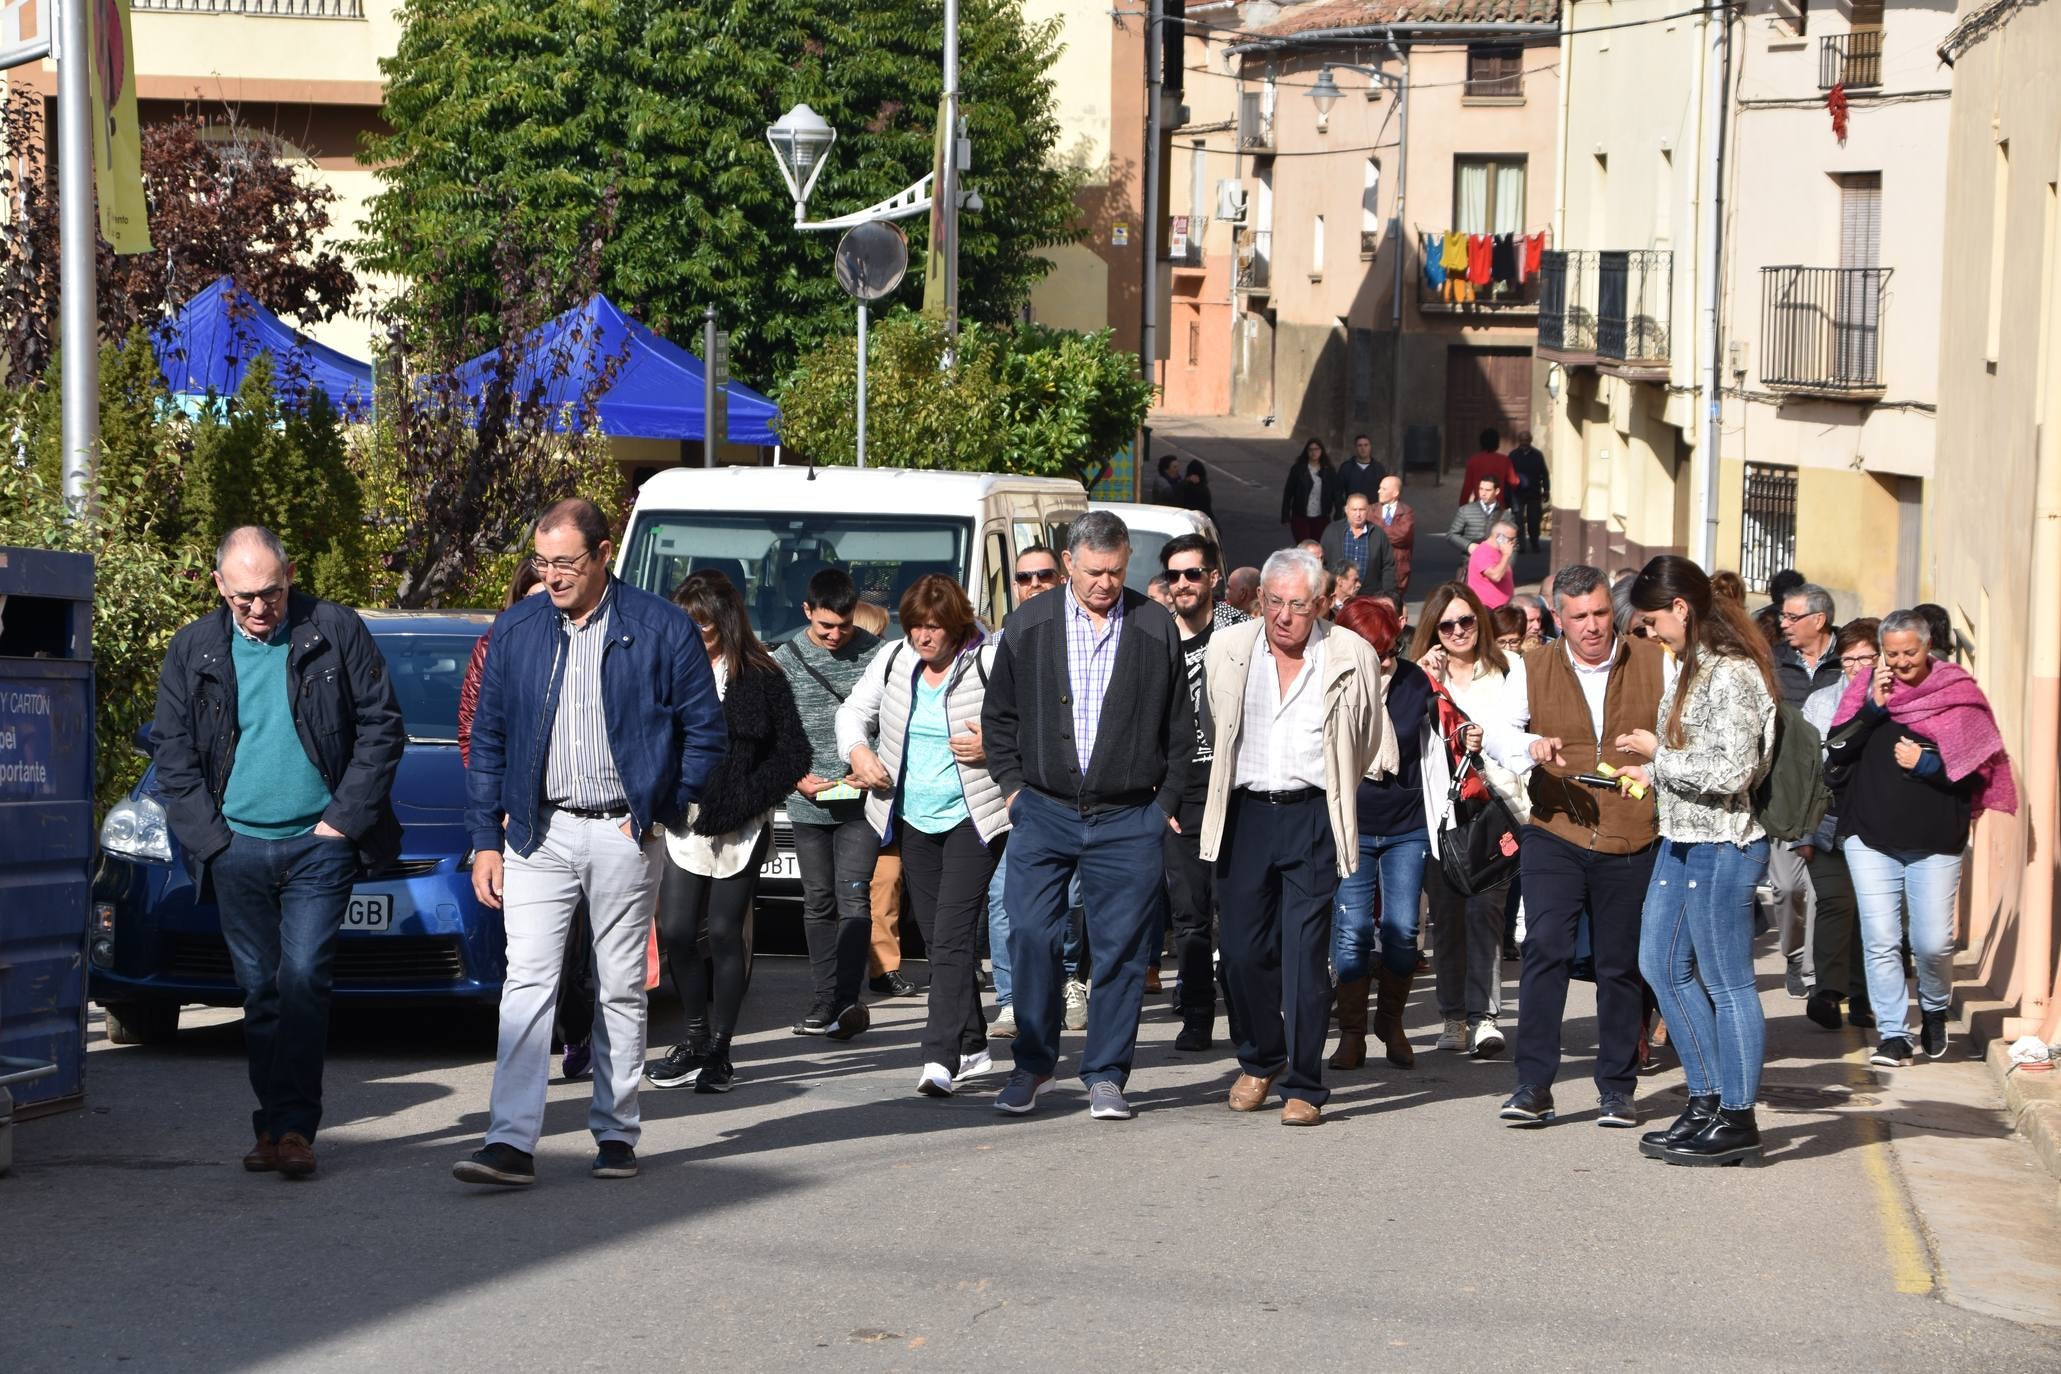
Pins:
x,y
1255,123
1821,330
1634,296
1254,257
1506,291
1567,284
265,9
1852,60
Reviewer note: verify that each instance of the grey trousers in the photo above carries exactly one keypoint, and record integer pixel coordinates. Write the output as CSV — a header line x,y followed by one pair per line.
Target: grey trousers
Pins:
x,y
1796,909
1466,949
619,879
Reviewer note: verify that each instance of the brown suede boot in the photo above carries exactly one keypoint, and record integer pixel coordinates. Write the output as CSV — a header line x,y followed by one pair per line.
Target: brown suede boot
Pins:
x,y
1352,1025
1388,1018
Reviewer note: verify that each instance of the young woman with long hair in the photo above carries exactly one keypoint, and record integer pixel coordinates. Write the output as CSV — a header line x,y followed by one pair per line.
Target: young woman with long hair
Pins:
x,y
1709,747
1456,648
712,869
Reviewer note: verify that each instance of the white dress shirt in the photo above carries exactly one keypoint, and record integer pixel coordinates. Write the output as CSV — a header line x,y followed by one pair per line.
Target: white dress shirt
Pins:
x,y
1281,742
1507,738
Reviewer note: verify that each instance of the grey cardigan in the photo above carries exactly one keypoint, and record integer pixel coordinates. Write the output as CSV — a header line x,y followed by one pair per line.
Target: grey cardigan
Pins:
x,y
1146,738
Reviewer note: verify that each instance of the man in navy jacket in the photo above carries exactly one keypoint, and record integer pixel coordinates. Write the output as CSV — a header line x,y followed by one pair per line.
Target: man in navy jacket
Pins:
x,y
598,720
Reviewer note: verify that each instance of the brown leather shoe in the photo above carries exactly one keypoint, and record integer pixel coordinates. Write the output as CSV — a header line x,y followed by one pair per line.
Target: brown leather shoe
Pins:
x,y
264,1156
1152,979
296,1157
1296,1112
1249,1093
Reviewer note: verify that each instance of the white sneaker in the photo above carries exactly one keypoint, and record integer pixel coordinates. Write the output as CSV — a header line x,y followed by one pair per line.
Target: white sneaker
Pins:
x,y
1003,1027
1486,1041
974,1065
1454,1036
1076,1005
936,1081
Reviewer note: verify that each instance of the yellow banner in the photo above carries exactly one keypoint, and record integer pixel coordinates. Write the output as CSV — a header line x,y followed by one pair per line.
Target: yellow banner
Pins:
x,y
934,257
117,141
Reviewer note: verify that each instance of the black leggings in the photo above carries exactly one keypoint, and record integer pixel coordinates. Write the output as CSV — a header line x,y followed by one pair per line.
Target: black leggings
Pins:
x,y
693,908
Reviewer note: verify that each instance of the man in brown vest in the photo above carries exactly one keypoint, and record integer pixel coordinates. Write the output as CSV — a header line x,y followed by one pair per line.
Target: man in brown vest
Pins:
x,y
1587,847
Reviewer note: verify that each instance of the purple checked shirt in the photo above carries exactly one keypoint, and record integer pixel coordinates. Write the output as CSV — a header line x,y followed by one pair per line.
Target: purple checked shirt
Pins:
x,y
1090,663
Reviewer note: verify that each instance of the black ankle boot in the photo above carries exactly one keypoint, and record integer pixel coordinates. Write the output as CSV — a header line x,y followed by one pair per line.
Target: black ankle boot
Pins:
x,y
1732,1137
1702,1107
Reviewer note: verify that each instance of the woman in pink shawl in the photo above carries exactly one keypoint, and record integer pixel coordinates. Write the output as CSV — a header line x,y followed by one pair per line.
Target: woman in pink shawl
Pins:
x,y
1915,756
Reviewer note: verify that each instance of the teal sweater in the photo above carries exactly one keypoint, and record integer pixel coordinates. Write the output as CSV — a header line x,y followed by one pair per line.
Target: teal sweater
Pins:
x,y
275,791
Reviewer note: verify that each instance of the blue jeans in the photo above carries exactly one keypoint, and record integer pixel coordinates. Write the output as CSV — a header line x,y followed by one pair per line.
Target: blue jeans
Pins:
x,y
281,904
998,932
1885,885
1696,950
1391,872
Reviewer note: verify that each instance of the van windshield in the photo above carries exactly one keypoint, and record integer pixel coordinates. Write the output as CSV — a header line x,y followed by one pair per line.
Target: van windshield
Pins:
x,y
771,555
1144,564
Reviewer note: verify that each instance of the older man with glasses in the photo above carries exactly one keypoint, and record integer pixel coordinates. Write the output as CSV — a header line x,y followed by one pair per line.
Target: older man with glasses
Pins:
x,y
1298,719
277,737
598,722
1805,662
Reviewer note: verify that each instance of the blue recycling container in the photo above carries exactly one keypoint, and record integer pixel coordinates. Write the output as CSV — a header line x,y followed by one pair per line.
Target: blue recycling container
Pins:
x,y
46,819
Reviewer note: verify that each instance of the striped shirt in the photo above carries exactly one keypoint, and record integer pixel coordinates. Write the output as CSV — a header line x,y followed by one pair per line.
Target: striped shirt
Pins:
x,y
1090,663
580,770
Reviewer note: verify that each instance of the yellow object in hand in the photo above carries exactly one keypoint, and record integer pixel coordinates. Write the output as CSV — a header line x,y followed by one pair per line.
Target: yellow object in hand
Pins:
x,y
1631,786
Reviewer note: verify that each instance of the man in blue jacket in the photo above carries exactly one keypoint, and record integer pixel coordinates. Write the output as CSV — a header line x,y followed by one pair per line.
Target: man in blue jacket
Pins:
x,y
597,721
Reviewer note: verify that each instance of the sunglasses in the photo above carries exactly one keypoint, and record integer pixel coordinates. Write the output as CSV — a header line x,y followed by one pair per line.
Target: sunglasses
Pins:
x,y
1457,626
1024,579
1187,574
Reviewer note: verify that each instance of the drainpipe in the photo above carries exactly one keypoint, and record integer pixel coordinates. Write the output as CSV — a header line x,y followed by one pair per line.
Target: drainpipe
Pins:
x,y
1148,328
2039,999
1400,240
1714,295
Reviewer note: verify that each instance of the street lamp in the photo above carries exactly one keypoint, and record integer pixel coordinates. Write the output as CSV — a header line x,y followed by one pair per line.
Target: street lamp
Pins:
x,y
801,141
1324,95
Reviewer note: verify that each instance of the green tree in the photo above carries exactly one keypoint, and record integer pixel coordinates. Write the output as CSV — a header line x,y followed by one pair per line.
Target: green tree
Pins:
x,y
495,104
1033,400
256,460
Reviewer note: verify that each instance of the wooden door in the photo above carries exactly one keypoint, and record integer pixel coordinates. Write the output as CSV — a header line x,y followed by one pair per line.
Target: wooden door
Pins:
x,y
1484,387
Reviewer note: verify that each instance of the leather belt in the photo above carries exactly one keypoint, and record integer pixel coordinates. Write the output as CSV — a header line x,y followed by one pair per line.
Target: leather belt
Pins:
x,y
1288,798
586,814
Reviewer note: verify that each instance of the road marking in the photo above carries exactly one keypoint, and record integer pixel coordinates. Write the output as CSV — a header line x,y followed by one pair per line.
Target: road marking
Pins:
x,y
1910,1261
1175,445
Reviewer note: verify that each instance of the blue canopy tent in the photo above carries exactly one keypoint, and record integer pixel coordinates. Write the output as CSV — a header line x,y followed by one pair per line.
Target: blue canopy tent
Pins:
x,y
208,346
656,392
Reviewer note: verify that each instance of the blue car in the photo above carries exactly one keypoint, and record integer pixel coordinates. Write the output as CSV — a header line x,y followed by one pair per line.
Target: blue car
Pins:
x,y
412,933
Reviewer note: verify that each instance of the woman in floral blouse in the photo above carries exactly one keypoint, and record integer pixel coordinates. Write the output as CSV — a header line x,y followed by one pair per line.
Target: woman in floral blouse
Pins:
x,y
1713,739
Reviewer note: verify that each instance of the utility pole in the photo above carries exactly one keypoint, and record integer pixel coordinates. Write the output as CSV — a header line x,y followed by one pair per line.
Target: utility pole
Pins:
x,y
78,242
1155,85
945,196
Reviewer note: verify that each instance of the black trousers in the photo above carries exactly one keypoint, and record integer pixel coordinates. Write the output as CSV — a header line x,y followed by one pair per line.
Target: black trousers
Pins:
x,y
1277,879
1562,880
1191,902
1836,935
836,863
1528,509
701,932
948,878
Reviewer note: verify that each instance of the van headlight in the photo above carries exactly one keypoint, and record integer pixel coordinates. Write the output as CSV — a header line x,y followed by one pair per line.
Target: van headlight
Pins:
x,y
135,829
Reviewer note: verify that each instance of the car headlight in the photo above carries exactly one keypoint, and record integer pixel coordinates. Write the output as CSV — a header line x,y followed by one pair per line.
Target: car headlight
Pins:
x,y
135,829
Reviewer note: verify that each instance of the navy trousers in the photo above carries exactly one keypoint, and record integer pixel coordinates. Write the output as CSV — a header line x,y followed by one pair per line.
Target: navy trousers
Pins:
x,y
1121,860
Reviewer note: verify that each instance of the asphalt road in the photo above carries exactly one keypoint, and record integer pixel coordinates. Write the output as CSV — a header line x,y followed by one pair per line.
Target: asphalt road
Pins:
x,y
823,1213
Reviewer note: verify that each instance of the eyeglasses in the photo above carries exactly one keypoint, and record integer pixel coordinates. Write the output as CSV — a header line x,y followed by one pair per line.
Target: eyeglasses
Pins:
x,y
560,565
1187,574
1791,617
243,601
1459,625
1024,579
1856,660
1275,603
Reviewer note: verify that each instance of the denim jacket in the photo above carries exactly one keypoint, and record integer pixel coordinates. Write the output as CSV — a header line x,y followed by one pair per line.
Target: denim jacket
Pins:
x,y
665,722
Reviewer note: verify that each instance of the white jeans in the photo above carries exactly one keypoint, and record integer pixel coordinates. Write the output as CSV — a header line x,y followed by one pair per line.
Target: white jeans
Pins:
x,y
619,878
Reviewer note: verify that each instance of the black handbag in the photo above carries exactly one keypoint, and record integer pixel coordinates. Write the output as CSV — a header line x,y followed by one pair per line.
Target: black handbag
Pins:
x,y
1477,842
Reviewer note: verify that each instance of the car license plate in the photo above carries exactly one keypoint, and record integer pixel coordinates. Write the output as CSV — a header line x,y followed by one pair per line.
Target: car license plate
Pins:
x,y
781,863
369,911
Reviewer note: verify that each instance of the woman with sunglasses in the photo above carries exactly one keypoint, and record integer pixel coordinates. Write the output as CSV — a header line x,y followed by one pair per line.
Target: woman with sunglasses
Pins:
x,y
712,866
1455,648
1711,743
1394,843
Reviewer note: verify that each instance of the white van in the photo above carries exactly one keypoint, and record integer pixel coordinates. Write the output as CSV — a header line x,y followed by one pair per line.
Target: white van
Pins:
x,y
1151,528
772,528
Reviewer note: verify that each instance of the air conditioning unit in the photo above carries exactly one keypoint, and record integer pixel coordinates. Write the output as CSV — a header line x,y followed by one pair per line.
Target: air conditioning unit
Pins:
x,y
1231,201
